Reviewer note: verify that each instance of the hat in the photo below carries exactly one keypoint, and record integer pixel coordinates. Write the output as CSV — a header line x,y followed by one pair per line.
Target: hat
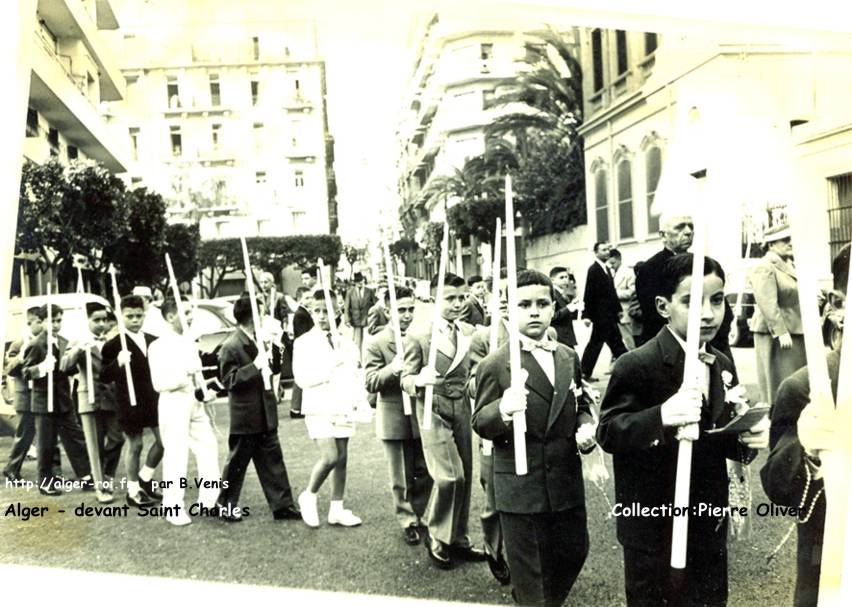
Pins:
x,y
778,232
143,291
358,277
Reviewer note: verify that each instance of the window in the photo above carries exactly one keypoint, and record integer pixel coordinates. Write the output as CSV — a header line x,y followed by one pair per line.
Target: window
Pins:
x,y
136,181
839,212
601,207
173,92
53,141
297,88
597,62
134,142
32,123
650,43
216,132
299,178
215,98
174,131
486,51
653,168
260,177
255,87
255,48
73,152
625,200
296,129
621,51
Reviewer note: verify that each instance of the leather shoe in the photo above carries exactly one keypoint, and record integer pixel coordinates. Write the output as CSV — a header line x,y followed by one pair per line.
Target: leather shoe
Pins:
x,y
12,478
149,489
499,569
469,554
412,535
297,414
287,513
229,515
438,554
50,489
87,484
140,500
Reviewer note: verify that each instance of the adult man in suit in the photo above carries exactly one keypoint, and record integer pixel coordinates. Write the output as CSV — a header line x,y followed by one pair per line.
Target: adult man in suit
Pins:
x,y
601,309
61,421
302,323
792,475
543,513
399,433
474,312
378,316
104,438
134,419
564,292
447,444
253,433
359,300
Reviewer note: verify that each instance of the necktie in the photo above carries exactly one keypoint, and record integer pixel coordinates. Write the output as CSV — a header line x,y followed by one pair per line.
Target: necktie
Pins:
x,y
330,340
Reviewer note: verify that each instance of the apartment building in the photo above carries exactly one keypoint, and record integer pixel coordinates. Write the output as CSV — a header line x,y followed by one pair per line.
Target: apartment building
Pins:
x,y
228,122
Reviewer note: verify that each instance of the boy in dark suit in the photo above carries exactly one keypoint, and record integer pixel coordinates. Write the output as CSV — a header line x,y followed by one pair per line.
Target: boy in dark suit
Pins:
x,y
134,419
254,423
565,308
792,475
474,312
644,406
400,434
62,421
447,443
542,513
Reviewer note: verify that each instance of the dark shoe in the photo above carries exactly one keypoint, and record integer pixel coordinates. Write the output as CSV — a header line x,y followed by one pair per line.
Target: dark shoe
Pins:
x,y
49,488
469,554
12,478
590,379
287,513
499,569
140,500
87,484
150,491
297,414
109,485
412,535
228,515
438,554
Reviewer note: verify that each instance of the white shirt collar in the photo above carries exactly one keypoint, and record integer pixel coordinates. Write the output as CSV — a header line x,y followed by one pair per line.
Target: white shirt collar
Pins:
x,y
682,343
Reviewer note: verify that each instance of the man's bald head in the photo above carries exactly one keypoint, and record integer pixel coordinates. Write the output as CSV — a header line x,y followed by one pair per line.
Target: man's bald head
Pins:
x,y
677,230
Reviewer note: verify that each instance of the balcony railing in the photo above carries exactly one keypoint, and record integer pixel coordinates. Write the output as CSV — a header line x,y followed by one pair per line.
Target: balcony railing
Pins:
x,y
65,64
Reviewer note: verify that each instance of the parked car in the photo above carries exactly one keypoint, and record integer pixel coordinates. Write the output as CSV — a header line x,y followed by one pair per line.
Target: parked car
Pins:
x,y
740,333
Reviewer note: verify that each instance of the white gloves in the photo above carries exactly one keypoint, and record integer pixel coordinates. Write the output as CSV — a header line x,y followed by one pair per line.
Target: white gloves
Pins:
x,y
46,366
396,364
514,399
123,358
683,408
427,377
586,436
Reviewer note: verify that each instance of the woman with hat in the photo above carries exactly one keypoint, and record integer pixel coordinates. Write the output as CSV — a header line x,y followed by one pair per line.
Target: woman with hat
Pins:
x,y
777,321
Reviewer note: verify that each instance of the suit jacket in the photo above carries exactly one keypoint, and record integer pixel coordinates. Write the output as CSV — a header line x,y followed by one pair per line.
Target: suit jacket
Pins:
x,y
554,481
377,318
645,453
391,421
784,477
474,313
34,354
302,322
326,389
600,300
563,320
452,365
648,275
254,409
356,307
74,363
776,295
12,368
111,372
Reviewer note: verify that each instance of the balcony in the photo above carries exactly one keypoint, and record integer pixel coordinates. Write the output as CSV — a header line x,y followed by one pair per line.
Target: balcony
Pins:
x,y
298,103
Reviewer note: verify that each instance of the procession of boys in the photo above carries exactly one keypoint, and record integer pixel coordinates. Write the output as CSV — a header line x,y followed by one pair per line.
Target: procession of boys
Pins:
x,y
496,371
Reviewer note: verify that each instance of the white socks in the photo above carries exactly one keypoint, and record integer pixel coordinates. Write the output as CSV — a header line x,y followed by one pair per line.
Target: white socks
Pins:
x,y
132,487
146,474
335,507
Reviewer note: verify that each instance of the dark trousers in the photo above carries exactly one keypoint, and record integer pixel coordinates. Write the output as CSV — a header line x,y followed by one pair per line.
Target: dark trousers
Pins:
x,y
264,450
110,440
24,436
492,533
809,561
649,580
296,399
64,425
603,332
545,552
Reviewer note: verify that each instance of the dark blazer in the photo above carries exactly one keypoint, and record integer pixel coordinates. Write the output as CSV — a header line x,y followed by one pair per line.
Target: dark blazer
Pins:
x,y
377,318
356,307
648,275
563,320
645,453
600,300
302,322
35,353
13,366
74,362
554,481
139,370
784,477
254,410
473,312
391,421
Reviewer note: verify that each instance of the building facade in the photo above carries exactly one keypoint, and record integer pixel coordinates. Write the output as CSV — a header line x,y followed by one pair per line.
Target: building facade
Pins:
x,y
229,124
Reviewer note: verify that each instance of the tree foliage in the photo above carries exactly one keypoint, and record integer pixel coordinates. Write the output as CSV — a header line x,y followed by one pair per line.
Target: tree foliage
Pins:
x,y
140,255
182,242
433,232
399,249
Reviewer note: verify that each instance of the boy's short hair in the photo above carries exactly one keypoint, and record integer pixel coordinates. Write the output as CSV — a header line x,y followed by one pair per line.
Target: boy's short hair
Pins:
x,y
679,267
132,301
33,311
301,291
94,306
615,253
450,280
473,280
320,294
401,292
840,269
557,270
169,306
242,310
528,278
111,315
41,311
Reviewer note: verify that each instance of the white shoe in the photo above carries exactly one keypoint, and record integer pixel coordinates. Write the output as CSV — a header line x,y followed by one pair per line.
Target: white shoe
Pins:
x,y
308,506
180,519
103,497
344,518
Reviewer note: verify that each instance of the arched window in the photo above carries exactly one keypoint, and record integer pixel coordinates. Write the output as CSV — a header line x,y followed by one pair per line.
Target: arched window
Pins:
x,y
653,167
601,207
625,200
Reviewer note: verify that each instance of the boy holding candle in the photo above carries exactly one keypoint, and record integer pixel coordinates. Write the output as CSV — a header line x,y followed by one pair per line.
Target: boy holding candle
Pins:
x,y
542,513
447,442
645,405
